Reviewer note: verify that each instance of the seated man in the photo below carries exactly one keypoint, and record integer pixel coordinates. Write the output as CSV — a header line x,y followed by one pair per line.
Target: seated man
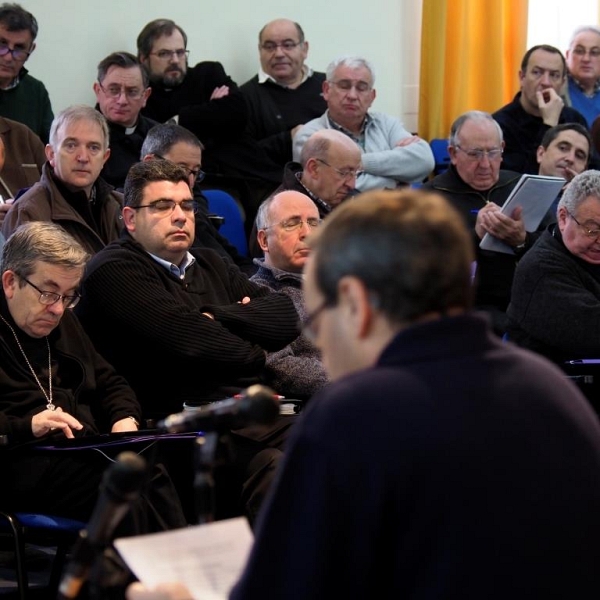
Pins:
x,y
477,187
286,93
160,297
284,221
71,191
440,462
150,296
327,171
121,92
54,385
23,98
583,78
555,298
391,156
564,152
536,108
180,146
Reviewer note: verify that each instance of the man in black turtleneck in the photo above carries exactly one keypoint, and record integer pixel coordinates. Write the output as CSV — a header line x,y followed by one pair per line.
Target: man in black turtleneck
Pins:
x,y
70,191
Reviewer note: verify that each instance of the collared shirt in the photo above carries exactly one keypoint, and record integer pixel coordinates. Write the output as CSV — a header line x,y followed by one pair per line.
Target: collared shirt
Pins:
x,y
360,139
13,84
264,77
587,94
326,208
178,271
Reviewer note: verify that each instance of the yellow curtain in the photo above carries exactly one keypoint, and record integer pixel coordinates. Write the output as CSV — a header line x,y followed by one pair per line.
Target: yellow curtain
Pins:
x,y
471,51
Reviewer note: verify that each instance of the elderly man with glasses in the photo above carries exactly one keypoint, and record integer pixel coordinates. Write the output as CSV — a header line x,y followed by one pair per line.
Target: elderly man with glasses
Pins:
x,y
71,191
391,156
477,187
121,92
284,222
23,98
555,299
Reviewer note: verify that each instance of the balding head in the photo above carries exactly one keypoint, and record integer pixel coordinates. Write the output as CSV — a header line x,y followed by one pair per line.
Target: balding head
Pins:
x,y
282,51
283,222
330,160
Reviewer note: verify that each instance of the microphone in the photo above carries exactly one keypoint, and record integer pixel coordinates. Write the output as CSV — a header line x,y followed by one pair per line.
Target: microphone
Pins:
x,y
257,404
120,486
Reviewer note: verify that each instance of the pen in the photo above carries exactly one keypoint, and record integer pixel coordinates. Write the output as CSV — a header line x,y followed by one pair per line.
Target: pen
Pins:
x,y
474,211
276,396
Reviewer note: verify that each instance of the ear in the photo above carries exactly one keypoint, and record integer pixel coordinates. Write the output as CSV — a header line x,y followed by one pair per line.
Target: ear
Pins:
x,y
97,89
540,153
49,154
146,95
311,167
326,89
305,50
129,216
106,155
354,301
452,154
261,237
148,157
9,283
31,51
561,218
521,76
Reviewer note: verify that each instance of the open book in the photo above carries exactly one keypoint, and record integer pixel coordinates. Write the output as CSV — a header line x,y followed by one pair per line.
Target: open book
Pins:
x,y
535,193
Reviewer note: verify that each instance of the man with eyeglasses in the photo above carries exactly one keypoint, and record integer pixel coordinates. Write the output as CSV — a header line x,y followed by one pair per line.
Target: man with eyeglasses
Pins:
x,y
286,93
284,222
22,97
71,191
391,156
180,146
582,91
121,92
330,163
179,322
477,187
555,298
55,386
536,108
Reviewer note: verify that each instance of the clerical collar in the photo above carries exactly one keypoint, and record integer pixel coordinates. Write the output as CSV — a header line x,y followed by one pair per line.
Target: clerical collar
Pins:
x,y
587,94
264,77
178,271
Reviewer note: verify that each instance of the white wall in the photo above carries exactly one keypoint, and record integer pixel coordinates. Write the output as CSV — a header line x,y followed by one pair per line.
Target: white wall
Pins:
x,y
74,36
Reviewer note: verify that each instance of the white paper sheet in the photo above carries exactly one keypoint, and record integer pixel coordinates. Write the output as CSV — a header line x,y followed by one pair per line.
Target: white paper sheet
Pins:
x,y
208,558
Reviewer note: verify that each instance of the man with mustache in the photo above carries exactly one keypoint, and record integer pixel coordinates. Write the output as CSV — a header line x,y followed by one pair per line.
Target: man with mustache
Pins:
x,y
71,191
284,221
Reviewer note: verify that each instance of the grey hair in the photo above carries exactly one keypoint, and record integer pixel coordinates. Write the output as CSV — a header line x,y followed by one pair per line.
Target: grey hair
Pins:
x,y
471,115
41,241
583,29
74,113
352,62
162,137
583,185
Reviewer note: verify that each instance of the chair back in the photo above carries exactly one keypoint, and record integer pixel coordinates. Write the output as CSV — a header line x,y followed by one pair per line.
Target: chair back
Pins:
x,y
224,205
439,147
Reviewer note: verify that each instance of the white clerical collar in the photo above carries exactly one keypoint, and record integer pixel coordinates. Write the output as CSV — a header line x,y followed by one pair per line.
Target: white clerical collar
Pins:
x,y
264,77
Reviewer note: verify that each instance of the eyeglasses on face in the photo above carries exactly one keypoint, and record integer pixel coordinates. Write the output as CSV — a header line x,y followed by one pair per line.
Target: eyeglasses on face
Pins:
x,y
166,54
591,233
343,173
49,298
476,154
165,207
346,85
287,46
296,223
114,91
581,51
17,53
197,174
309,331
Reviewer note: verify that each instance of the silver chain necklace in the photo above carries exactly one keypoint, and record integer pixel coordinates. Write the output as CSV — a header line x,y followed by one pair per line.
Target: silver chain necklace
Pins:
x,y
48,396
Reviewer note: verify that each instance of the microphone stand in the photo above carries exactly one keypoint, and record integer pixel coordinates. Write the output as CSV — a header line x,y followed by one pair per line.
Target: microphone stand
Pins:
x,y
204,481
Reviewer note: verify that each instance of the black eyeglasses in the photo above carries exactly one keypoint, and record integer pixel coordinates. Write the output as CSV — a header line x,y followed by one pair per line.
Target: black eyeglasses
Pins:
x,y
288,45
197,174
166,207
591,233
17,53
166,54
308,327
49,298
343,173
114,91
